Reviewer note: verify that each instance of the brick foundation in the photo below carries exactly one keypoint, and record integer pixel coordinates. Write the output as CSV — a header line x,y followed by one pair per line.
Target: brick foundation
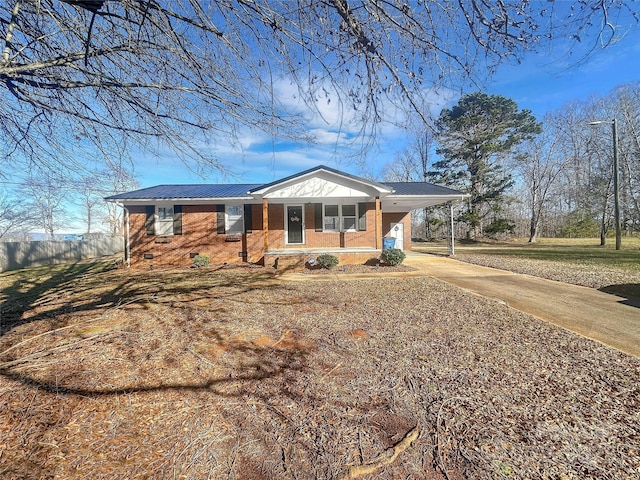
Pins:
x,y
295,261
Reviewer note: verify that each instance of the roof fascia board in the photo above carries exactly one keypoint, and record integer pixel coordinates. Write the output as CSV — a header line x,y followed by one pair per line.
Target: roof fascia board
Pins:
x,y
445,198
400,203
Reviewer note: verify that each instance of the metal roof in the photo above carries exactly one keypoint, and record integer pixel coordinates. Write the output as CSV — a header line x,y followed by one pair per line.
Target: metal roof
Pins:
x,y
245,190
194,191
420,188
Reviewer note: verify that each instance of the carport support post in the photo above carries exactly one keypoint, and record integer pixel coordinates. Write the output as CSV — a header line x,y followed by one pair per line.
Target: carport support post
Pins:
x,y
452,248
265,223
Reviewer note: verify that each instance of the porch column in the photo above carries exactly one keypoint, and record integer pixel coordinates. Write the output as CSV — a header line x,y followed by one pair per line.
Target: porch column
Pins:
x,y
265,223
378,223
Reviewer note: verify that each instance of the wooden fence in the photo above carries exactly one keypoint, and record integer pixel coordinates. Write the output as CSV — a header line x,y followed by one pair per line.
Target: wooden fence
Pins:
x,y
14,255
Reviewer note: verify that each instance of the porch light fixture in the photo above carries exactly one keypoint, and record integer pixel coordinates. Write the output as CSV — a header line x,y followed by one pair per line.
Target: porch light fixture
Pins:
x,y
616,187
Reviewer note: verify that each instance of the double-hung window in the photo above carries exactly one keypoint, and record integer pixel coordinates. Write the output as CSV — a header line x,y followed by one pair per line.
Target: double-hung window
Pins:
x,y
165,220
234,219
348,217
331,218
340,218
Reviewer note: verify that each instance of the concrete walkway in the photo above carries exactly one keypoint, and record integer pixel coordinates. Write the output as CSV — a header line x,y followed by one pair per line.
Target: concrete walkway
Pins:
x,y
586,311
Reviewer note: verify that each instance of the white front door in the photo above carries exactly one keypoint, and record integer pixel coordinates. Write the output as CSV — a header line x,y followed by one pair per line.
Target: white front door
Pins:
x,y
397,232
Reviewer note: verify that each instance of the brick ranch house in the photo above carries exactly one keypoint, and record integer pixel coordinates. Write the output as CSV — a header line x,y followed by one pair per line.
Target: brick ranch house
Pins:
x,y
283,223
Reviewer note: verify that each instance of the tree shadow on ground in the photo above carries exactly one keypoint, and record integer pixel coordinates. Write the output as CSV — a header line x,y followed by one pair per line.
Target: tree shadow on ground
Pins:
x,y
259,369
48,293
263,365
625,290
23,289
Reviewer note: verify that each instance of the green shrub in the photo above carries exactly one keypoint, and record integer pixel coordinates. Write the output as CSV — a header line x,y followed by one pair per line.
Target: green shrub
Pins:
x,y
200,261
500,226
580,224
327,260
392,256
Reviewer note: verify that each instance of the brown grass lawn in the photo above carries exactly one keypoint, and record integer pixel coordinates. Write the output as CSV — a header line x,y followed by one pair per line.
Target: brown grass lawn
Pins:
x,y
233,373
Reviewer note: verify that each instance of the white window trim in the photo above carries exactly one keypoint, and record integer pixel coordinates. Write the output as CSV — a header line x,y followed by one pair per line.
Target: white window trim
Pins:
x,y
341,217
227,221
159,230
324,216
354,216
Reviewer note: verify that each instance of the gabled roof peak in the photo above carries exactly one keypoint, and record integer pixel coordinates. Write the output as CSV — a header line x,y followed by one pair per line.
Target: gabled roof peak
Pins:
x,y
354,178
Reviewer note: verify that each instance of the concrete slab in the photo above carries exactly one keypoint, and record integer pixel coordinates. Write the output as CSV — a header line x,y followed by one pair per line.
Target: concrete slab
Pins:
x,y
586,311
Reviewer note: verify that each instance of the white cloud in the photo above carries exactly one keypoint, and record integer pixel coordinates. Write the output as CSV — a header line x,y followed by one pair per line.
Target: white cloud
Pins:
x,y
339,141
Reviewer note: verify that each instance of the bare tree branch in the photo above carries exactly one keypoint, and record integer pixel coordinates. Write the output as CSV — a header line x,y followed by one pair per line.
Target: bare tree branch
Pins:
x,y
185,69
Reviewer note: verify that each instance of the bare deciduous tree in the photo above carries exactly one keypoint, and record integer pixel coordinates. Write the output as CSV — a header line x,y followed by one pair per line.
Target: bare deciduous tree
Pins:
x,y
117,180
539,167
568,171
15,216
45,195
90,195
154,74
627,107
413,165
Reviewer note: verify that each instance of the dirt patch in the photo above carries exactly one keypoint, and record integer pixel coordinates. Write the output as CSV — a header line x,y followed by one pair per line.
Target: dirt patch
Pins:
x,y
228,374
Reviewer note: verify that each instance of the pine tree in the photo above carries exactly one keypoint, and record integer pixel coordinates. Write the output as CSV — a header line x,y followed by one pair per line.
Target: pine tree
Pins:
x,y
474,137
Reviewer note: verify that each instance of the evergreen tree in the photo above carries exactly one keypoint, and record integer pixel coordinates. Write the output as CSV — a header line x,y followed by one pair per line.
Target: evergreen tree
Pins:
x,y
474,137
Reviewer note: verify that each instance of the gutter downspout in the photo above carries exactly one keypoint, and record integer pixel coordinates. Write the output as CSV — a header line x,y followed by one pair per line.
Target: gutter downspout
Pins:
x,y
127,245
127,239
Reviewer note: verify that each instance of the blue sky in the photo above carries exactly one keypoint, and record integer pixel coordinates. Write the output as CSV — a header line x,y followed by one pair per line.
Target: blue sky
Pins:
x,y
543,83
540,83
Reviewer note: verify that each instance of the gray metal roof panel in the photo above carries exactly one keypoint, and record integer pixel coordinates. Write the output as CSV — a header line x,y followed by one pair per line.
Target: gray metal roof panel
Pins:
x,y
188,191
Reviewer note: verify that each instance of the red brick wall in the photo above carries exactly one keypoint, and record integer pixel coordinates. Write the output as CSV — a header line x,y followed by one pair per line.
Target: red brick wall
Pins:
x,y
199,224
199,235
276,229
405,219
315,239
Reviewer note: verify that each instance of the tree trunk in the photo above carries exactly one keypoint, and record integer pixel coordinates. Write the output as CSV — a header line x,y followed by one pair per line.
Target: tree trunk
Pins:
x,y
603,229
533,233
533,228
88,219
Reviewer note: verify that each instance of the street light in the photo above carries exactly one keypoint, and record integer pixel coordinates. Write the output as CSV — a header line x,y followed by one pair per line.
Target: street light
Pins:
x,y
616,188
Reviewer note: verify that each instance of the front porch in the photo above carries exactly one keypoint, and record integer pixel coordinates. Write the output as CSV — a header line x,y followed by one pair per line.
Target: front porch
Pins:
x,y
298,258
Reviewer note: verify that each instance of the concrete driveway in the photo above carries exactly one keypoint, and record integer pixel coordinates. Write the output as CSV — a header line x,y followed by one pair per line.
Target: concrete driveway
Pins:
x,y
586,311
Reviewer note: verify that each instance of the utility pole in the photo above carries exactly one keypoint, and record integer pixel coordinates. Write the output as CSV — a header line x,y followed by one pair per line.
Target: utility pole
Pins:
x,y
616,184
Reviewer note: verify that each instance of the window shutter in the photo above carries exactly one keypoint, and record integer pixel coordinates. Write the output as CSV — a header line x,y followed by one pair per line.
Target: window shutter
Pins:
x,y
220,228
362,220
150,220
248,219
318,216
177,219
